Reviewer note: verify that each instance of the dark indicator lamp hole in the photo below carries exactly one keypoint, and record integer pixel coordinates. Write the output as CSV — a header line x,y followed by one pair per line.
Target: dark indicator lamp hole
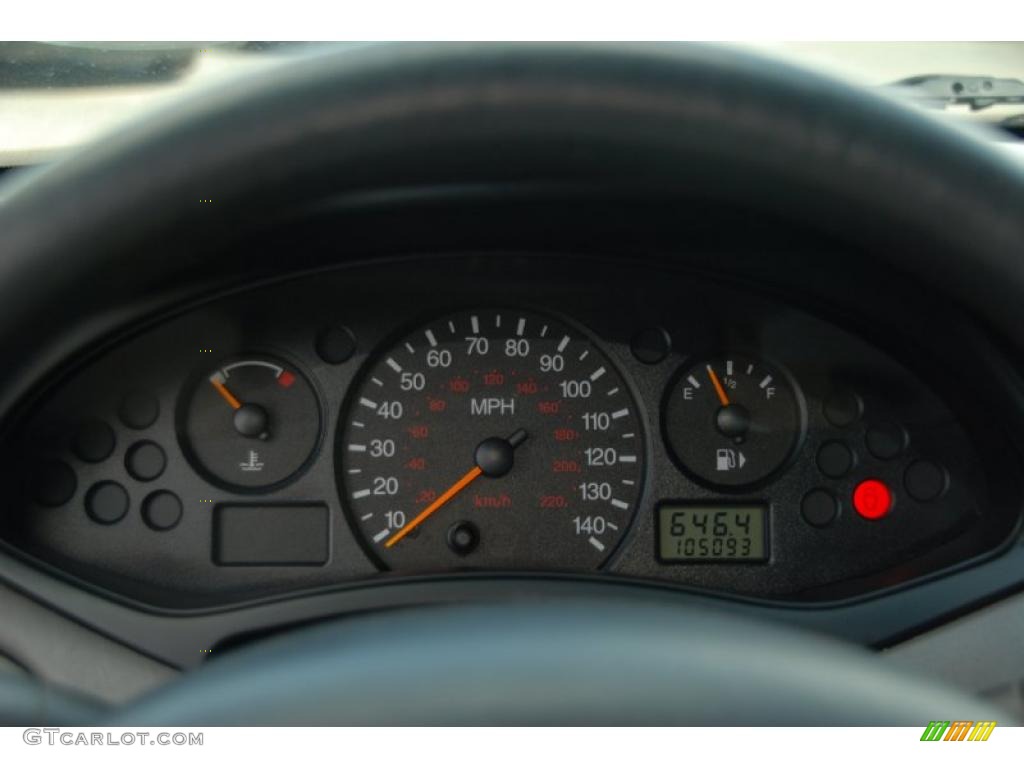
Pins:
x,y
463,538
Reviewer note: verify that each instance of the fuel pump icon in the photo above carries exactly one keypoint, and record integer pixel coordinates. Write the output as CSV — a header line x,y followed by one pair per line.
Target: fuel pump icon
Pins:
x,y
727,459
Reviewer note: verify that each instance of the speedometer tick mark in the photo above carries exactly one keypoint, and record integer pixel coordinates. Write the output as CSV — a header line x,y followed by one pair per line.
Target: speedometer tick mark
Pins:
x,y
410,347
563,343
521,326
382,535
613,391
474,323
377,381
367,516
430,337
393,365
543,331
619,504
361,494
597,374
597,544
368,403
620,413
357,448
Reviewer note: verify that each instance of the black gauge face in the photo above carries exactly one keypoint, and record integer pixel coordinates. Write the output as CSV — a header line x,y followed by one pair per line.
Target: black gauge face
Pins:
x,y
492,439
251,423
732,421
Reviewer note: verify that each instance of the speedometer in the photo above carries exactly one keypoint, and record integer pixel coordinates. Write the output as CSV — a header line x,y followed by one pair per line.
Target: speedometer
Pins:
x,y
497,439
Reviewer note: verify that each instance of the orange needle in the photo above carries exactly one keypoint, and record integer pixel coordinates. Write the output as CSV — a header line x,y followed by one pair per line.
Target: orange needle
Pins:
x,y
722,397
232,400
439,502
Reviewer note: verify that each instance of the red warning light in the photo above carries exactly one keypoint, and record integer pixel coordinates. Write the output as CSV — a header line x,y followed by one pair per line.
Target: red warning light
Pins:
x,y
286,379
872,499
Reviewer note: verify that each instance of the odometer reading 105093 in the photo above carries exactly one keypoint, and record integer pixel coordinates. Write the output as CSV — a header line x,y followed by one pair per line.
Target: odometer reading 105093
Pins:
x,y
498,439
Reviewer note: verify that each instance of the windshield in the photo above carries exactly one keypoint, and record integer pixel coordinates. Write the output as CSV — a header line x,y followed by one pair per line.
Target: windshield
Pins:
x,y
57,96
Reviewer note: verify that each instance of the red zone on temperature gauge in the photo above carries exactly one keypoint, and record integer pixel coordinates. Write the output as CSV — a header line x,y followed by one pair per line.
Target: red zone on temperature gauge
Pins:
x,y
492,439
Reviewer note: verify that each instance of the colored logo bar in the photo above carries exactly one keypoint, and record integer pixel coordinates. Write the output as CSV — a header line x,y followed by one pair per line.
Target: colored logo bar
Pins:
x,y
958,730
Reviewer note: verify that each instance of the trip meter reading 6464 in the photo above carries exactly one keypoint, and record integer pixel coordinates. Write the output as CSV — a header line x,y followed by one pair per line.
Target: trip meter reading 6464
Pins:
x,y
497,438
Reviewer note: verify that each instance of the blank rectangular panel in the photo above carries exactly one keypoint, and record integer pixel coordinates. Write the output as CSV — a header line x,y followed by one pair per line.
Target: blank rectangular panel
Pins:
x,y
285,534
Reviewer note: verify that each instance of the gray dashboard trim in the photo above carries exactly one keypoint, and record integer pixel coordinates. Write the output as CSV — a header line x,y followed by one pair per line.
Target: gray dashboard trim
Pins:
x,y
65,653
982,652
185,639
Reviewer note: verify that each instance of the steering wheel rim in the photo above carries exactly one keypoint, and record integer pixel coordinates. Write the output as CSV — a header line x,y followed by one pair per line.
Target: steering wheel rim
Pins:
x,y
679,118
568,662
125,220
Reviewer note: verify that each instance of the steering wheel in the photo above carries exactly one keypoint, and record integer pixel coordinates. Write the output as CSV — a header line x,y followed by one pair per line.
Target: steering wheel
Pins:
x,y
90,242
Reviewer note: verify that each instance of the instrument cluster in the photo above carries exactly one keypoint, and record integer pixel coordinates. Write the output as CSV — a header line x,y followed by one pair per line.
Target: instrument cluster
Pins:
x,y
457,415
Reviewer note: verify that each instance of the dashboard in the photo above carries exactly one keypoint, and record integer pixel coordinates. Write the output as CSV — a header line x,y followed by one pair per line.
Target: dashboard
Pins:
x,y
709,346
527,413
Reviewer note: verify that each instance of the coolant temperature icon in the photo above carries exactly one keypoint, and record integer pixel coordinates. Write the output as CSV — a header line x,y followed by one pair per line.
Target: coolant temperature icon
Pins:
x,y
252,464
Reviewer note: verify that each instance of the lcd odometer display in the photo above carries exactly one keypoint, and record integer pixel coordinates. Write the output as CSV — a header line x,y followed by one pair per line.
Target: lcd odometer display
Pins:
x,y
712,532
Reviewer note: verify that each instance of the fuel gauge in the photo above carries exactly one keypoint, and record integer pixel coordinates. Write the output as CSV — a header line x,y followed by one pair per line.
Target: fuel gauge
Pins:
x,y
733,421
250,424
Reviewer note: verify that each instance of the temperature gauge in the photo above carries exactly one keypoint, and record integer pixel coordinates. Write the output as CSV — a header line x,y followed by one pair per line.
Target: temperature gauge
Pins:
x,y
250,424
733,421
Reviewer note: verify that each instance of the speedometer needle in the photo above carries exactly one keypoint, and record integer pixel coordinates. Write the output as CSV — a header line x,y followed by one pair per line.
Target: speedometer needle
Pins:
x,y
439,502
493,458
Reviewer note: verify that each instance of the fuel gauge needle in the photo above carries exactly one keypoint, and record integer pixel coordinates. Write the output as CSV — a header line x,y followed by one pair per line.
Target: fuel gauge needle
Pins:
x,y
719,389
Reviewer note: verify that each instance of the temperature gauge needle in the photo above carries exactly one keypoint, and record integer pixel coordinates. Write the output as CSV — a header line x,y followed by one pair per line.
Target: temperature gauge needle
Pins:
x,y
250,420
493,458
719,389
218,384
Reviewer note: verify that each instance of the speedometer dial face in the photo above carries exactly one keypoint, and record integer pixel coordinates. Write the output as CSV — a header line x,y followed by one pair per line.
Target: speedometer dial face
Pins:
x,y
497,439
